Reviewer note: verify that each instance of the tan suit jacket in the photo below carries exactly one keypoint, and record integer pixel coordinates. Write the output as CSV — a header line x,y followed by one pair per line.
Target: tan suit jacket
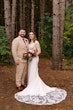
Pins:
x,y
18,48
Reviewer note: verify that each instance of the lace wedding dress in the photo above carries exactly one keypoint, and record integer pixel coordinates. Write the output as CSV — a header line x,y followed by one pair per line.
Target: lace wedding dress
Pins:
x,y
37,92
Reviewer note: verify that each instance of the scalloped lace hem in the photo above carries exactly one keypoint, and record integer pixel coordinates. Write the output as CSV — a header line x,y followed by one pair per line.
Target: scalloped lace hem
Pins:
x,y
50,98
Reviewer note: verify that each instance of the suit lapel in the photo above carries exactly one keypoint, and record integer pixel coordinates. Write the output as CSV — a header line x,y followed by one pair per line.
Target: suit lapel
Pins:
x,y
21,40
24,43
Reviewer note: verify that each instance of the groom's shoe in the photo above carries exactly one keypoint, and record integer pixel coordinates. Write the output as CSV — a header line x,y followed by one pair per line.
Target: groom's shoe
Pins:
x,y
20,88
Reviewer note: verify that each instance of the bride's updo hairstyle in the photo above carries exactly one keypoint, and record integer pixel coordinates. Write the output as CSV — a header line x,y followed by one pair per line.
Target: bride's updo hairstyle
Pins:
x,y
33,38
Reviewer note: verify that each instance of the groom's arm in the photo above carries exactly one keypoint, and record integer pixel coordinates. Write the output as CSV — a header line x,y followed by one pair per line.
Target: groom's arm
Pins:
x,y
14,51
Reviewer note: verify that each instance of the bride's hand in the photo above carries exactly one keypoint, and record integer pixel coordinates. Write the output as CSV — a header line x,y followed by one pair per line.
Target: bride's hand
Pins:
x,y
32,51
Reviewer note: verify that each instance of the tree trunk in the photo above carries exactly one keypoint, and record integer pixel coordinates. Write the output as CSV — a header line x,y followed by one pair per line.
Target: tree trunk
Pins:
x,y
32,15
13,17
7,14
62,15
21,14
42,10
58,26
24,6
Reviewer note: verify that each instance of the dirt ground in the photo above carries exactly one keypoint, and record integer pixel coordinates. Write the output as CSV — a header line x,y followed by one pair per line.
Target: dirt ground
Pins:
x,y
61,79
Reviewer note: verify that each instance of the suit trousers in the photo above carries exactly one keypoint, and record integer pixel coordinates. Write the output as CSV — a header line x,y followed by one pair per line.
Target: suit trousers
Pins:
x,y
21,71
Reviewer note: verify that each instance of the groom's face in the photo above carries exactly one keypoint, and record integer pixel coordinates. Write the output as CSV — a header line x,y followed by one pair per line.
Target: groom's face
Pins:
x,y
22,33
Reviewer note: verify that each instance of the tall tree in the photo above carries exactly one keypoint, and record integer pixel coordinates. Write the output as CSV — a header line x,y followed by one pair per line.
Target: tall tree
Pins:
x,y
58,26
13,17
10,15
21,13
24,6
7,14
42,10
32,15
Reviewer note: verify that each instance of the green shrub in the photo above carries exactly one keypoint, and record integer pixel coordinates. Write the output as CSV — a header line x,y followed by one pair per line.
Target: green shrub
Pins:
x,y
5,53
2,31
46,36
68,33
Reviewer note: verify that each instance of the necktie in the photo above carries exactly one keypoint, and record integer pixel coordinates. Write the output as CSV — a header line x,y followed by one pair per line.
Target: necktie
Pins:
x,y
24,40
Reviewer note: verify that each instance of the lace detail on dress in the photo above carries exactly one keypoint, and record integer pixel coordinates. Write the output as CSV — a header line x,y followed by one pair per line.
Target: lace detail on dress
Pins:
x,y
50,98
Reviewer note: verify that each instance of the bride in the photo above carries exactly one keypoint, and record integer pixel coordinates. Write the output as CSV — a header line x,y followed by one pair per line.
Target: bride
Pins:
x,y
37,92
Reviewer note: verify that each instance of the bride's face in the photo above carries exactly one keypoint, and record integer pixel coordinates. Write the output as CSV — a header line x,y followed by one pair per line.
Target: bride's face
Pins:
x,y
31,35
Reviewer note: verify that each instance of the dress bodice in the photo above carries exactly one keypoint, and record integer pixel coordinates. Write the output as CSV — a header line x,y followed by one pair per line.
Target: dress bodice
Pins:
x,y
32,46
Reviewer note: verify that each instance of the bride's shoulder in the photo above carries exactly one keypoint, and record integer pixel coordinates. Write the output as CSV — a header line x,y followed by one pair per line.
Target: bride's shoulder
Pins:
x,y
36,42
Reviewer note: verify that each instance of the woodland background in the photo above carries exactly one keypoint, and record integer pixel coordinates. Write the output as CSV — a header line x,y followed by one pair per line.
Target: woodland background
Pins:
x,y
51,20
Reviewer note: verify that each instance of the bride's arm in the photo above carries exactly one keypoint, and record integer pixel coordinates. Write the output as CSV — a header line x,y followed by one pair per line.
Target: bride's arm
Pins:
x,y
38,48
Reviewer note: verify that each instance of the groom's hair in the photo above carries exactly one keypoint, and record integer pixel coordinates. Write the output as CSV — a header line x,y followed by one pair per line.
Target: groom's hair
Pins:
x,y
21,30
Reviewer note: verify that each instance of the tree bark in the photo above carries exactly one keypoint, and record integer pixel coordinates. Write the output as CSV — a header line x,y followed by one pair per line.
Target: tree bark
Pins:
x,y
58,26
21,14
7,14
32,15
42,10
24,6
13,17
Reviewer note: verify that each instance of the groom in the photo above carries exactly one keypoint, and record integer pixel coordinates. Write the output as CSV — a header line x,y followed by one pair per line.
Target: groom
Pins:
x,y
19,47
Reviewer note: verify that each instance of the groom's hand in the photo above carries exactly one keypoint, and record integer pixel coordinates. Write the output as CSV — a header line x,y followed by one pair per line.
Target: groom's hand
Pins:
x,y
17,62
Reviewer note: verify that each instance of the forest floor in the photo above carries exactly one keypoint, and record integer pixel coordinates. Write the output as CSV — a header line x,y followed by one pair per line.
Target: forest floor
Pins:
x,y
61,79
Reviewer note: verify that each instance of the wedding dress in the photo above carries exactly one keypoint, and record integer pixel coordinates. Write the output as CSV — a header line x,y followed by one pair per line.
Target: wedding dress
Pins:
x,y
37,92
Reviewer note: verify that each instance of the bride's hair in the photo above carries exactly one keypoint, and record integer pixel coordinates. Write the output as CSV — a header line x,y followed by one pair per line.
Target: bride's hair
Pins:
x,y
33,38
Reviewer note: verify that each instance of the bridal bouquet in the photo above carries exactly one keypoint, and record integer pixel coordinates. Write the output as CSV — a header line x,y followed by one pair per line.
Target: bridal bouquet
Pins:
x,y
29,55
